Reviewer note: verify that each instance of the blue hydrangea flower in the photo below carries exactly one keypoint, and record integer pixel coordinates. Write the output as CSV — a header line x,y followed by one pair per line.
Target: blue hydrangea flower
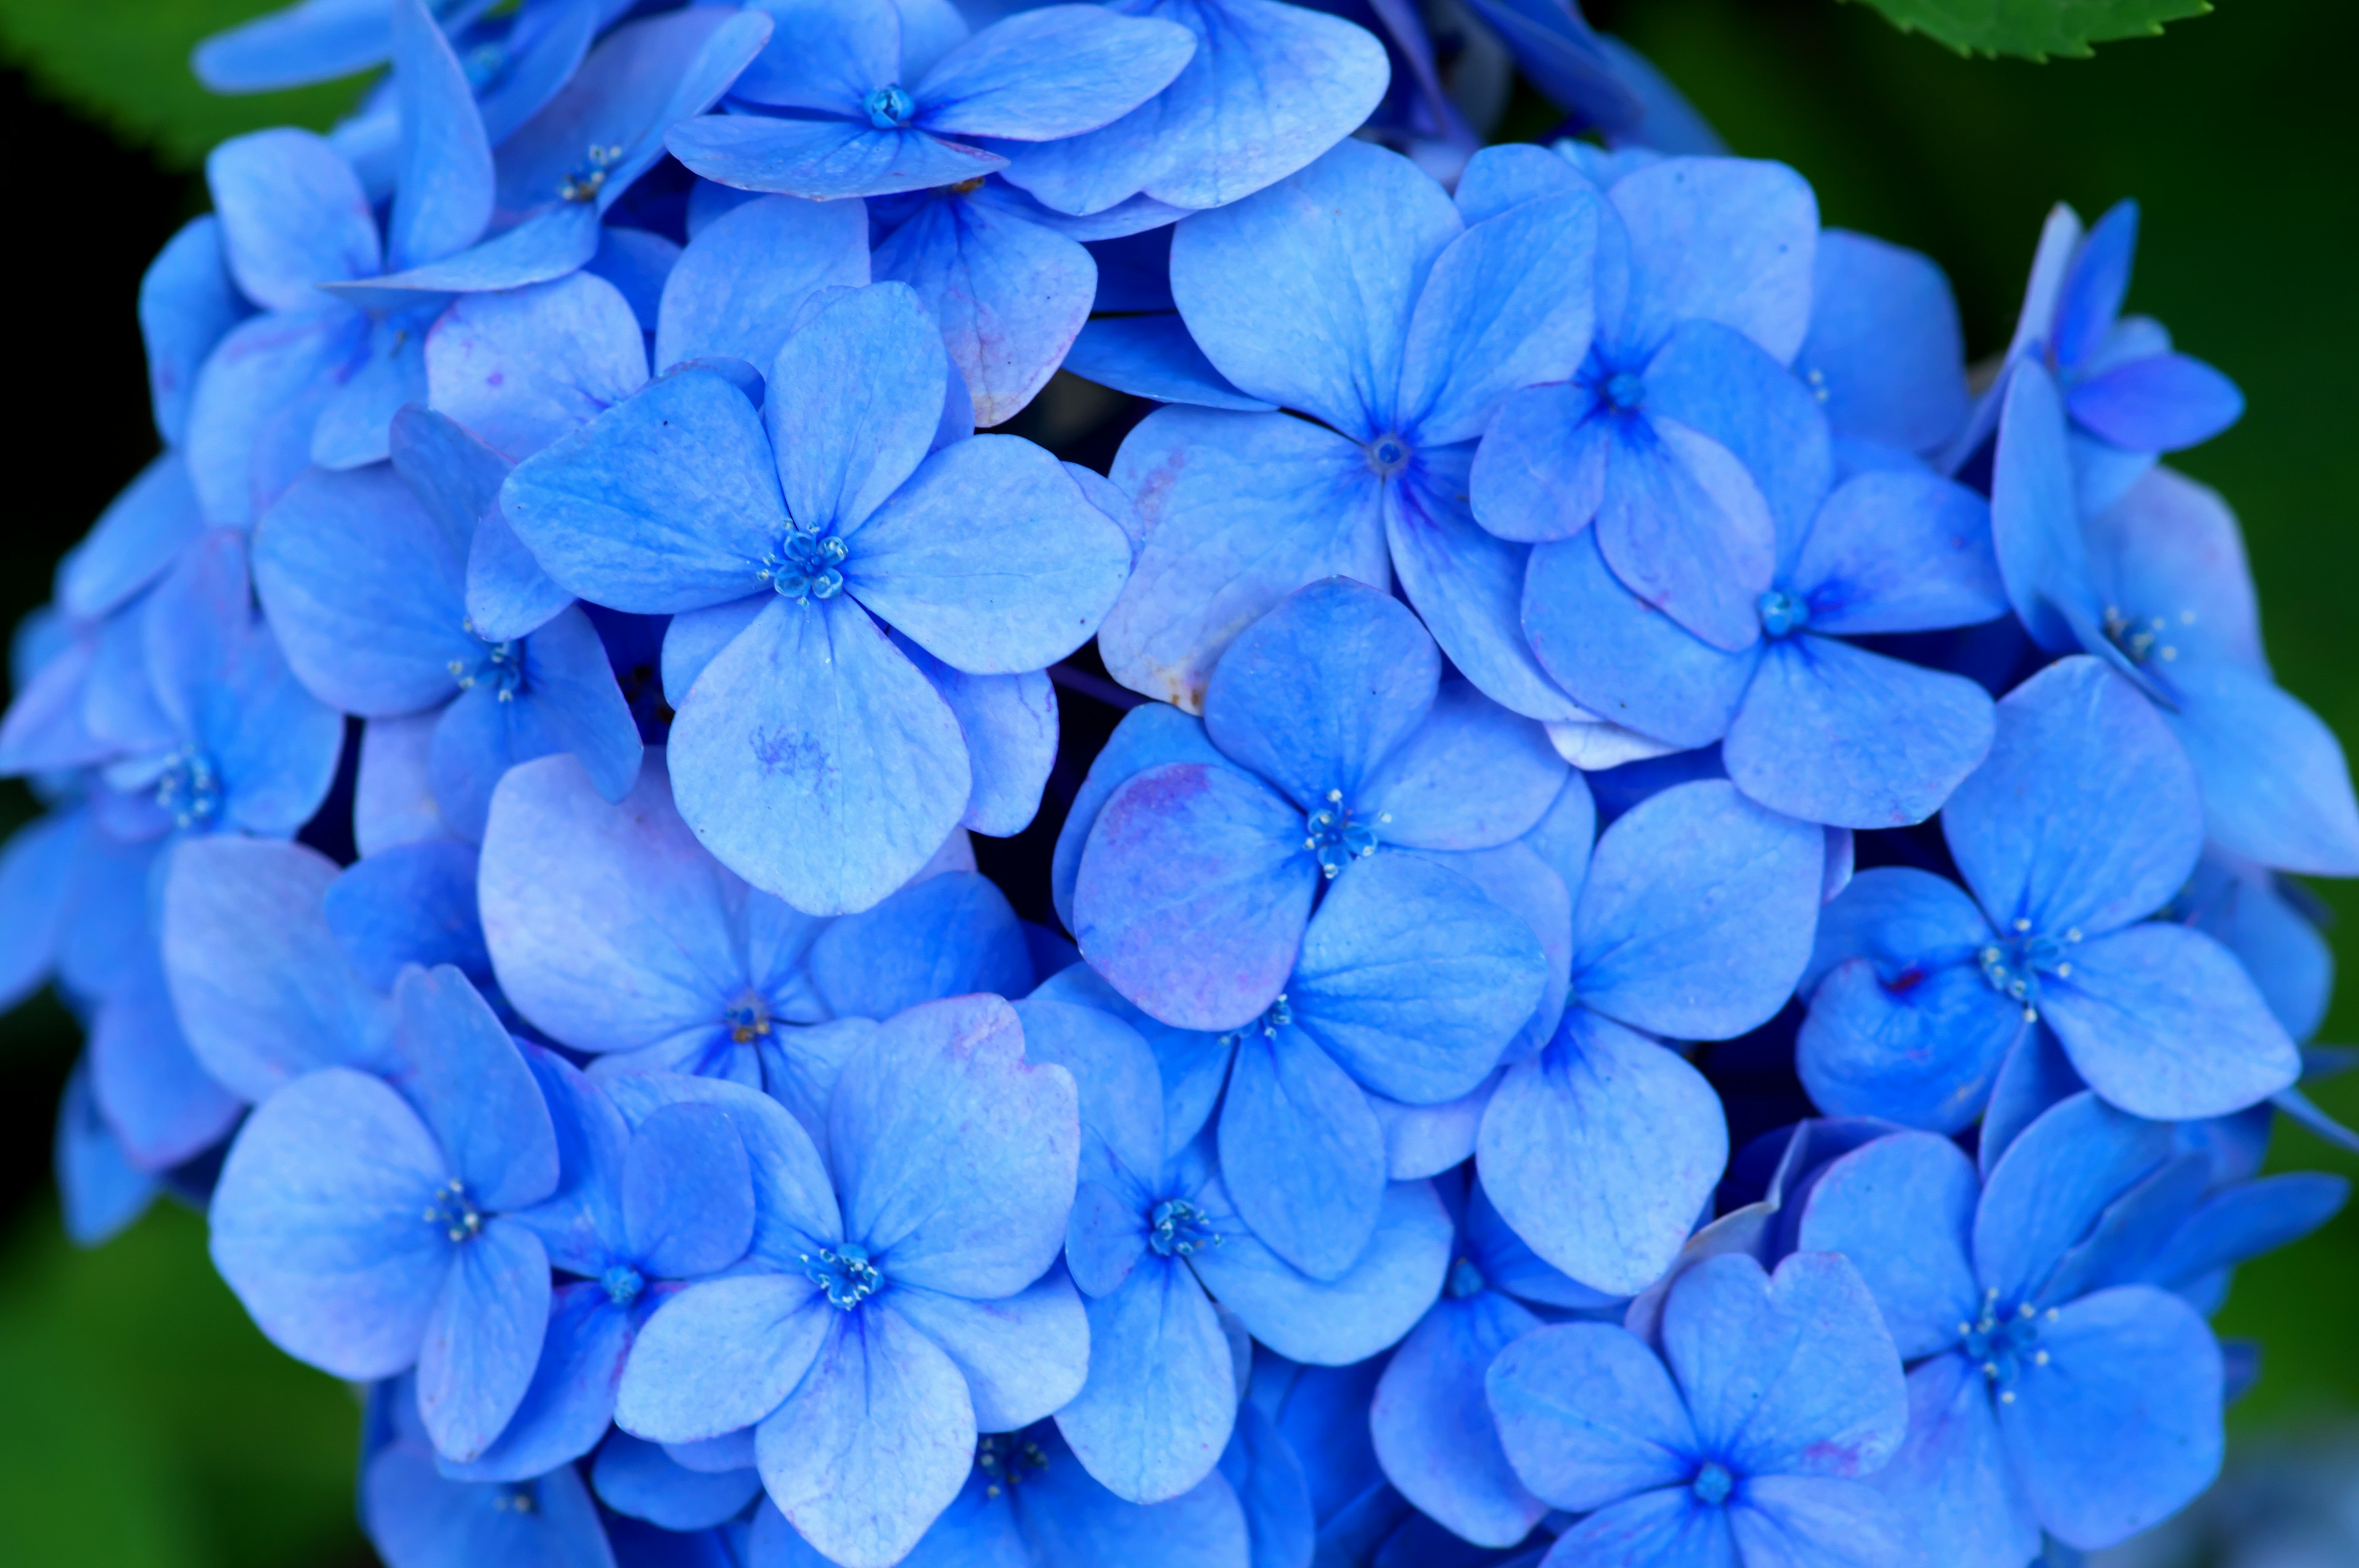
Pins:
x,y
1356,292
1745,1437
1028,1503
1430,1420
1681,437
1808,723
1886,356
2156,585
645,1482
2128,394
851,128
869,1337
618,934
1692,920
2056,1381
187,300
1155,1234
368,1226
2084,820
1327,735
363,575
809,754
655,1186
416,1517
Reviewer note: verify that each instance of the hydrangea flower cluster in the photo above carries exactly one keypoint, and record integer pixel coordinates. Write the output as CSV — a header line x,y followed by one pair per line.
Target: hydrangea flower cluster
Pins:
x,y
1683,952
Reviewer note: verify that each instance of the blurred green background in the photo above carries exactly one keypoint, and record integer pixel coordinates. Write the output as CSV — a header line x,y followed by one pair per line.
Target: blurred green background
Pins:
x,y
145,1424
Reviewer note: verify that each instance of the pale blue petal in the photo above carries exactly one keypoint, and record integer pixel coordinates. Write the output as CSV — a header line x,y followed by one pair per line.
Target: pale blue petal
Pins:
x,y
418,1518
1153,356
1336,256
2275,786
639,1479
99,1191
1472,777
855,395
250,421
187,301
1009,295
1696,916
1432,1424
1819,1521
1056,71
508,596
1240,510
357,415
1121,1099
1301,1151
2046,1191
824,55
1022,1356
1724,239
1345,1320
1953,1477
1831,733
292,215
1009,724
443,198
794,1206
1667,1528
956,1157
818,762
2035,517
133,541
522,368
694,638
1161,1397
1193,892
952,935
161,1103
2163,1022
1902,1209
1539,473
1588,1416
1896,550
1601,1151
463,1072
316,1223
1920,1046
1884,349
482,1340
721,1356
743,281
551,244
2085,816
688,1193
1148,735
1720,383
1623,660
2160,403
1686,529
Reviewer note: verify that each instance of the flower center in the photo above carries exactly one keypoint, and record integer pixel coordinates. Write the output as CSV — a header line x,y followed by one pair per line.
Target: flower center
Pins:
x,y
452,1212
1712,1484
1465,1280
845,1273
2003,1344
805,566
1178,1228
1389,454
1332,835
586,182
1277,1016
188,789
1008,1459
2013,967
1625,391
622,1283
1782,614
749,1020
2142,639
889,108
501,668
515,1499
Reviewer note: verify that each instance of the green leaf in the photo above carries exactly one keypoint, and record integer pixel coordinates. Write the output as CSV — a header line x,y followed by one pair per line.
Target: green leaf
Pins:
x,y
125,62
2034,29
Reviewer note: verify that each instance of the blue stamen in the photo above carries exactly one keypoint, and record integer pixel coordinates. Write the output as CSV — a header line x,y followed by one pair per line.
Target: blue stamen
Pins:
x,y
2141,640
1782,614
501,668
1712,1484
188,789
888,108
1275,1017
1465,1280
1178,1228
1007,1460
452,1212
584,183
845,1273
622,1283
747,1020
2003,1343
1625,391
1389,454
1335,838
2013,967
805,566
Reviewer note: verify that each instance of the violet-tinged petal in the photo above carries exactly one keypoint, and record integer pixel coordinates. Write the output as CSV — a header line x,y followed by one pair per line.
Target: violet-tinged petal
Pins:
x,y
1588,1415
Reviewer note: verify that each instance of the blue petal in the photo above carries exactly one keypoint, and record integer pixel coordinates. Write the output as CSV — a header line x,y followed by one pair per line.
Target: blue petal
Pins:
x,y
743,283
688,1193
1193,892
1146,735
1316,694
1623,659
855,395
258,981
824,159
1831,733
463,1073
1628,1127
443,198
315,1224
667,501
1722,239
990,557
952,935
483,1338
546,246
2275,786
1686,529
522,368
250,421
1348,1319
39,896
2050,1187
1885,350
1161,1397
1898,551
1153,357
2243,1222
956,1157
162,1104
1040,75
1121,1099
133,542
610,926
392,797
2035,517
418,1518
99,1190
2163,1022
2089,296
1921,1046
2085,816
313,41
1301,1151
186,302
1902,1209
721,1356
580,1224
1539,473
638,1479
1009,295
366,590
694,638
1303,293
1413,980
1823,1521
2034,1077
1432,1424
1498,178
826,55
1588,1416
1009,724
811,721
638,262
2121,1429
292,215
1022,1356
1718,382
1953,1476
1696,916
874,1445
1668,1528
508,596
1240,510
2158,404
1505,305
